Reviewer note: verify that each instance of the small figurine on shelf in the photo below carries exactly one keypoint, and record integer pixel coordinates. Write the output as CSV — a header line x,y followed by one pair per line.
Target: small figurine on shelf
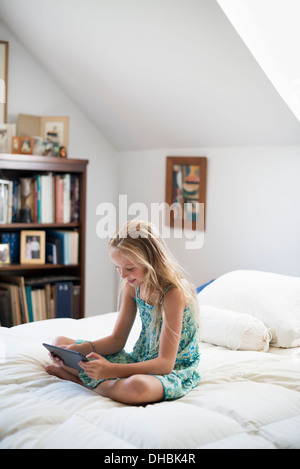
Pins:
x,y
63,152
25,213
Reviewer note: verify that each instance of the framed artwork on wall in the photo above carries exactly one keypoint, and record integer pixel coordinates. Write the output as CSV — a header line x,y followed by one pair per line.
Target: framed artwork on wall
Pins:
x,y
186,191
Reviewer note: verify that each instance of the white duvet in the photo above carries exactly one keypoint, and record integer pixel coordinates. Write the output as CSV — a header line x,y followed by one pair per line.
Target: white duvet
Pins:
x,y
246,399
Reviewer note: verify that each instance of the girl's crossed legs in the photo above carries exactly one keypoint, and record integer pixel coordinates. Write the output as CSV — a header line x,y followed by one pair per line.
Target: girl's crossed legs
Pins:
x,y
135,390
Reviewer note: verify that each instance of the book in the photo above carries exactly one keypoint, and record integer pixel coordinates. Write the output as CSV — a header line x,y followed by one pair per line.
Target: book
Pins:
x,y
59,199
5,308
51,253
76,301
15,205
75,207
66,198
63,299
19,281
38,199
69,245
4,200
54,248
49,312
46,196
28,290
14,302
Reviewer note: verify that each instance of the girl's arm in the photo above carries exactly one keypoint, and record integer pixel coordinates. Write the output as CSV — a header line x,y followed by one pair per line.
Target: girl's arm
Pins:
x,y
174,305
115,342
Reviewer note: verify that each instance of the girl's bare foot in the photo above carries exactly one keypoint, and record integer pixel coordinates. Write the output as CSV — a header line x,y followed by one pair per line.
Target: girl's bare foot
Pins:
x,y
62,373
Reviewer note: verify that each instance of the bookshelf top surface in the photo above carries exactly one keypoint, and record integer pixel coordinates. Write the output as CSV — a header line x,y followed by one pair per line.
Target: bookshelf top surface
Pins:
x,y
34,162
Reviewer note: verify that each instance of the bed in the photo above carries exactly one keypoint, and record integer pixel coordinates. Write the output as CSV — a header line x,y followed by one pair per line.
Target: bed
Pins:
x,y
248,398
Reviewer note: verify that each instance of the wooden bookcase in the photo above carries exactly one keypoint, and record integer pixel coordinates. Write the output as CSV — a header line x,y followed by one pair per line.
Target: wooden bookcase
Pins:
x,y
15,166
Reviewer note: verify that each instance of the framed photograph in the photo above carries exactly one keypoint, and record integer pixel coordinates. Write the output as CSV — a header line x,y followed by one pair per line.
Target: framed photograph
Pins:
x,y
3,80
4,254
55,130
186,192
50,148
7,132
33,247
22,145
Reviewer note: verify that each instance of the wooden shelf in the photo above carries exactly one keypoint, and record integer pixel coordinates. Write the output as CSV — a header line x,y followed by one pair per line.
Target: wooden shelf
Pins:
x,y
41,163
36,226
17,267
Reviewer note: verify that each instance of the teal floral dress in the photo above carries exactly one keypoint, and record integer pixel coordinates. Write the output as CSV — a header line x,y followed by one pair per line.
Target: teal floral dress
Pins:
x,y
184,376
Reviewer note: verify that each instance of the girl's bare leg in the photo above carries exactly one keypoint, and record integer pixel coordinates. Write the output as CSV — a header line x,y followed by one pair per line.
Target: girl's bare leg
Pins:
x,y
62,373
136,390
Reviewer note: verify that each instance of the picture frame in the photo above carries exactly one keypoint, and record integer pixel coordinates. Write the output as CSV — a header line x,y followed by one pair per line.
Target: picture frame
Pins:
x,y
55,130
4,254
52,132
186,191
33,244
4,46
7,132
49,148
22,145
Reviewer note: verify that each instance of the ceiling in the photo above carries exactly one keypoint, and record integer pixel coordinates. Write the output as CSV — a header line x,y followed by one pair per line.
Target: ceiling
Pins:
x,y
270,29
155,73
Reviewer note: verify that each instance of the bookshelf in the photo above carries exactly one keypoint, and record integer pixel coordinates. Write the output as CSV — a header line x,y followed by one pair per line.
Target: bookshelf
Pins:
x,y
52,270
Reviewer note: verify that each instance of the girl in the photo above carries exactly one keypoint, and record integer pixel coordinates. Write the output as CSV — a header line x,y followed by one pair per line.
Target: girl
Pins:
x,y
165,358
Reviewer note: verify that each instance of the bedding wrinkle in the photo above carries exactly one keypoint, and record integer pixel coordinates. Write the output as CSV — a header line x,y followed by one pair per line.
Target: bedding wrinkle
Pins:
x,y
225,410
247,398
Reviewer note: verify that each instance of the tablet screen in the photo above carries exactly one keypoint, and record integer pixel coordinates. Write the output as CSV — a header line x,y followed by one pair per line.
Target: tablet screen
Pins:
x,y
69,357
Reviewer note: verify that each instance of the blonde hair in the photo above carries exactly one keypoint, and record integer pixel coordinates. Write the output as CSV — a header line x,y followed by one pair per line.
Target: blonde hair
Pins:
x,y
142,242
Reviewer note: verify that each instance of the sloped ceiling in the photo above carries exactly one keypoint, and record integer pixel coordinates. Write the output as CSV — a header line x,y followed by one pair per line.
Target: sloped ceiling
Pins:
x,y
270,29
155,73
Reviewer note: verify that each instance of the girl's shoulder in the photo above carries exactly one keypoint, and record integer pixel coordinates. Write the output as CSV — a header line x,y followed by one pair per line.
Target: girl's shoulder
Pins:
x,y
129,290
173,296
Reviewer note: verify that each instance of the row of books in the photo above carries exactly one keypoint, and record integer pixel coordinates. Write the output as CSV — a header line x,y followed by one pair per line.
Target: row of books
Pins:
x,y
25,300
62,246
51,198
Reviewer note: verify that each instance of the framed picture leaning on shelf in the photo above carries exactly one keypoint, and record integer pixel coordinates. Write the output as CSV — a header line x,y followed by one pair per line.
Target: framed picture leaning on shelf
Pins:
x,y
50,133
32,247
22,145
55,130
4,254
7,132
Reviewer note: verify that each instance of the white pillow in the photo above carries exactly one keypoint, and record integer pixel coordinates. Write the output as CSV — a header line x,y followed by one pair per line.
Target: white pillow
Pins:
x,y
233,330
272,298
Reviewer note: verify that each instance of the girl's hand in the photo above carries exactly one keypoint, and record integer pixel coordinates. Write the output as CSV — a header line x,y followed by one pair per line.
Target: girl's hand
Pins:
x,y
98,368
58,361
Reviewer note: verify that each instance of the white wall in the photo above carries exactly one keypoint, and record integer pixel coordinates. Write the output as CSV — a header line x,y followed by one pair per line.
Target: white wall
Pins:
x,y
253,193
253,217
32,91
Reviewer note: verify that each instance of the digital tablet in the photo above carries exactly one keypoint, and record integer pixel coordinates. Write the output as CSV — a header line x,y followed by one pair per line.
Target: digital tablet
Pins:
x,y
69,357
